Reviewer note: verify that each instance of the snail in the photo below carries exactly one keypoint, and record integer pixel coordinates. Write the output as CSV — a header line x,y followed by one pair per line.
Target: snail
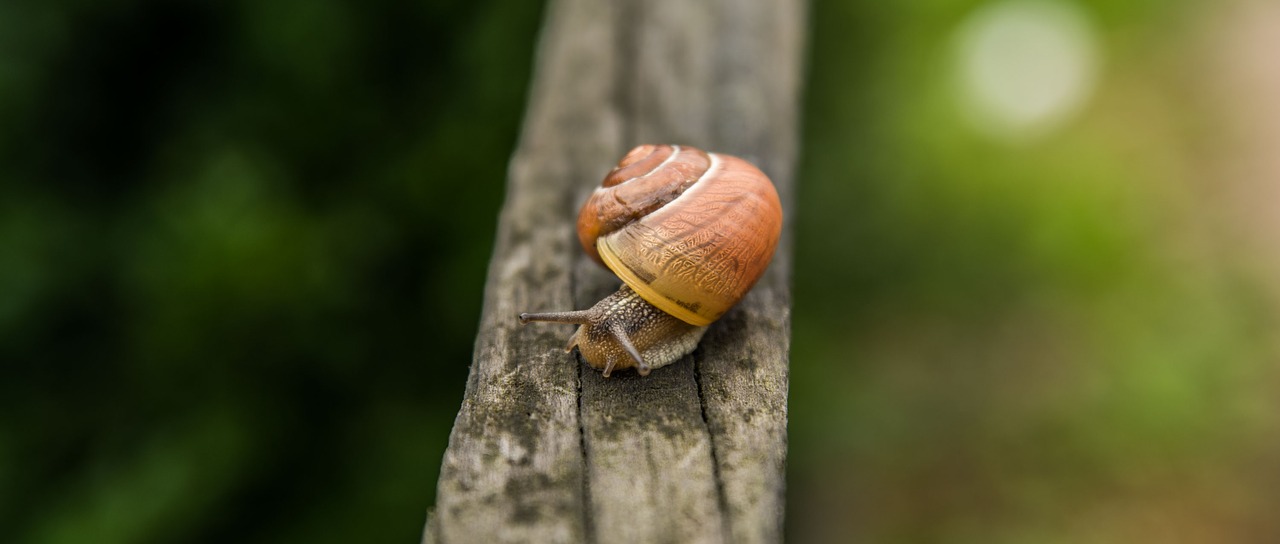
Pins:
x,y
689,233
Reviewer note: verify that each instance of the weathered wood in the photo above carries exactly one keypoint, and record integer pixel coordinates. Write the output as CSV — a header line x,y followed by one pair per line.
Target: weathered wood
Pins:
x,y
546,450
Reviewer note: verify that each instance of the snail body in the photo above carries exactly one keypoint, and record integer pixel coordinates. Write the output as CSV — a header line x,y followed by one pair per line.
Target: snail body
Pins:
x,y
689,233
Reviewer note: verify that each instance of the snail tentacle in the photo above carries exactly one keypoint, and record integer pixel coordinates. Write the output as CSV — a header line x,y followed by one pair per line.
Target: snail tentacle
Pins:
x,y
608,366
620,333
576,317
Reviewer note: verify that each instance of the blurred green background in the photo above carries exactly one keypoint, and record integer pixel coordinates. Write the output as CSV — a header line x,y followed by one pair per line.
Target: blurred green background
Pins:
x,y
243,246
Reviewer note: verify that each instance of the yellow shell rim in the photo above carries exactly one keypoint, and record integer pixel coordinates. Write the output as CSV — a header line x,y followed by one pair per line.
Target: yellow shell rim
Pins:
x,y
645,290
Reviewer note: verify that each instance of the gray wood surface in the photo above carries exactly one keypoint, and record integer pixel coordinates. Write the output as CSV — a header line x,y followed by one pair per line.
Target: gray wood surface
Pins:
x,y
546,450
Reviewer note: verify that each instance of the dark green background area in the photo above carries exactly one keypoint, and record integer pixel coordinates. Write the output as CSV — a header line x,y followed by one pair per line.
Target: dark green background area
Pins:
x,y
243,248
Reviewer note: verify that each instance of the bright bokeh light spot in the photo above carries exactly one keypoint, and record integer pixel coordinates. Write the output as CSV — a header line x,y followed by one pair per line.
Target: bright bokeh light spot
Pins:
x,y
1025,66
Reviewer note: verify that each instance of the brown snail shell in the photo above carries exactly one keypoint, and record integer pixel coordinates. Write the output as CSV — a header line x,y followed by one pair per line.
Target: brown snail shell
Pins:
x,y
689,233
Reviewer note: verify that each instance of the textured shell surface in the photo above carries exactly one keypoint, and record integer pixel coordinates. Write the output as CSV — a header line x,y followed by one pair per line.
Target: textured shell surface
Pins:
x,y
689,231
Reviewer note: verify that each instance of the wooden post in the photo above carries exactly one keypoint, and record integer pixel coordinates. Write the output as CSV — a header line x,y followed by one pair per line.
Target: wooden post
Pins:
x,y
546,450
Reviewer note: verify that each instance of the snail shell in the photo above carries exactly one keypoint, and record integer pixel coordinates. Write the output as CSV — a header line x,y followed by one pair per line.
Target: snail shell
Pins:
x,y
691,232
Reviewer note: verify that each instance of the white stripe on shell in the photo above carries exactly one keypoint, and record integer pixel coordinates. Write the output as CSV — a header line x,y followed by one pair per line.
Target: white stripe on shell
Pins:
x,y
693,187
675,151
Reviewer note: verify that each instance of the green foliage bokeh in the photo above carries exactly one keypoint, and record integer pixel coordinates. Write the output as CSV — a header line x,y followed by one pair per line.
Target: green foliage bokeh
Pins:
x,y
1060,338
242,247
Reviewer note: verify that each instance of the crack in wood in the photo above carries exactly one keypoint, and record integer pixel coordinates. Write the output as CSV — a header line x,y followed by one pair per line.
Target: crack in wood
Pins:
x,y
715,459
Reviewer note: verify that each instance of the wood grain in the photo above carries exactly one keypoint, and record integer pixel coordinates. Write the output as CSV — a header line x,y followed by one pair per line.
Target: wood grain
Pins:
x,y
546,450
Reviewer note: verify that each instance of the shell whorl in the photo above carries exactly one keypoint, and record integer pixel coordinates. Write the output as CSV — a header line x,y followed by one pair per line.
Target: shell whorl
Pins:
x,y
689,231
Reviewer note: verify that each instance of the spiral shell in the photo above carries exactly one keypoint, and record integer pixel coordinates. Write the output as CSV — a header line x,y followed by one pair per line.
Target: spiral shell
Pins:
x,y
689,231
